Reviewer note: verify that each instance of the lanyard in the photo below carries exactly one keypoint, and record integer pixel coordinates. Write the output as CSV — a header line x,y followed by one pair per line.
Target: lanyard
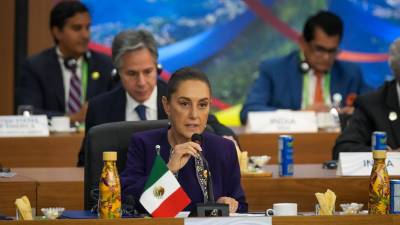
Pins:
x,y
84,80
326,80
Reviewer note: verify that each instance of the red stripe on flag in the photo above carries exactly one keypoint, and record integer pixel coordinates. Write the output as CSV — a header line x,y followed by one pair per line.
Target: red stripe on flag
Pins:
x,y
175,203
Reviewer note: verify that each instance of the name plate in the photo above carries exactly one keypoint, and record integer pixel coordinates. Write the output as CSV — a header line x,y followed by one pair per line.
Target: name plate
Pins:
x,y
24,126
361,163
282,121
237,219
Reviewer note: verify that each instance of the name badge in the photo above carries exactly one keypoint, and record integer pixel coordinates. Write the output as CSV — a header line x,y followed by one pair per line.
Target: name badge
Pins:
x,y
361,163
24,126
282,121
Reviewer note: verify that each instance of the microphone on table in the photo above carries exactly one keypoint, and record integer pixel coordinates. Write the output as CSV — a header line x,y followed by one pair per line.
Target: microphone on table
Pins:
x,y
197,138
209,207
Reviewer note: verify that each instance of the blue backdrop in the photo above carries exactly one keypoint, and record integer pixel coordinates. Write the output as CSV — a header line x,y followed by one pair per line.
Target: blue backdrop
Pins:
x,y
227,39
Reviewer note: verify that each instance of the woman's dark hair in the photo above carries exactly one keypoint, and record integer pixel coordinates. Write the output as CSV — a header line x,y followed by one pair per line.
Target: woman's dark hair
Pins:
x,y
64,10
184,74
330,23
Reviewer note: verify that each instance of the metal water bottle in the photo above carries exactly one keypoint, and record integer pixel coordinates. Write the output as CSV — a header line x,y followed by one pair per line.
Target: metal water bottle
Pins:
x,y
109,188
379,186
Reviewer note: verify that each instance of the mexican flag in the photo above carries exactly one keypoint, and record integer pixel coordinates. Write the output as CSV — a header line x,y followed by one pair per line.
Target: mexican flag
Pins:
x,y
163,196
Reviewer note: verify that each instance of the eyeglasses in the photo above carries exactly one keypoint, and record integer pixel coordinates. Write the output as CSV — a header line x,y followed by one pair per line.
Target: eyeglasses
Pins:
x,y
321,51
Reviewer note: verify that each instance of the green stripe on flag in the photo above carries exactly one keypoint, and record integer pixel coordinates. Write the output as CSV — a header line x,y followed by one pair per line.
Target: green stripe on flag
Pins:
x,y
158,170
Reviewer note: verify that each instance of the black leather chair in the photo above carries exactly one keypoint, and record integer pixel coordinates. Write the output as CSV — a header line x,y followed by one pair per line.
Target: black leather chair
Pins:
x,y
109,137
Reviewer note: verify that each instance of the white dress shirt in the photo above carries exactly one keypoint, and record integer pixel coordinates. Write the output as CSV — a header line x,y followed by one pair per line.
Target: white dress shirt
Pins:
x,y
312,83
151,107
67,74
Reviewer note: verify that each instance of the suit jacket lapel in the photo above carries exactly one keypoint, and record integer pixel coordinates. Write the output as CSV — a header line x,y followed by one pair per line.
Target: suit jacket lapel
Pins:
x,y
117,108
392,101
56,76
161,91
296,81
335,81
91,66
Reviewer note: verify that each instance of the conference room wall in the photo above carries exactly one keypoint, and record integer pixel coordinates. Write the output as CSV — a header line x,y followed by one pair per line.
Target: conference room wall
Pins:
x,y
7,21
38,38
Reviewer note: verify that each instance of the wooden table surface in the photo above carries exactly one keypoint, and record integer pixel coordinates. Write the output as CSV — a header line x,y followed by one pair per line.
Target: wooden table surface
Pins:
x,y
307,147
61,149
57,150
13,188
280,220
64,187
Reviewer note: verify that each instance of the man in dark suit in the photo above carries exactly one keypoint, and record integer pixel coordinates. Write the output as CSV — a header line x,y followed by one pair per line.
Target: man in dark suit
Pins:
x,y
375,111
59,80
306,79
135,55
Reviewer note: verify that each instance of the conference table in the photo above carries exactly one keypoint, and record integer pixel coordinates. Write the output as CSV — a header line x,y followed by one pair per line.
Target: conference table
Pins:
x,y
61,149
279,220
63,187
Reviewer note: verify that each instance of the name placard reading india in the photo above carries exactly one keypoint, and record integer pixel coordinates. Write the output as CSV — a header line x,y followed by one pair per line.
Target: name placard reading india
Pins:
x,y
361,163
24,126
282,121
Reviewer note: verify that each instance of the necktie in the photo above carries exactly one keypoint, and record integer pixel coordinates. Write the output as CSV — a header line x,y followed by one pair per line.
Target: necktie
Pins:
x,y
141,111
74,100
318,96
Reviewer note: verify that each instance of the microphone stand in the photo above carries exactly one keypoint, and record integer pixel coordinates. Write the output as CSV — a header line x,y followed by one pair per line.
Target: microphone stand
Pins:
x,y
210,208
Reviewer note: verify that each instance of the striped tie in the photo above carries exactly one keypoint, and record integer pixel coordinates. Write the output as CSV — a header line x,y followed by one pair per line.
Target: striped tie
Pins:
x,y
74,100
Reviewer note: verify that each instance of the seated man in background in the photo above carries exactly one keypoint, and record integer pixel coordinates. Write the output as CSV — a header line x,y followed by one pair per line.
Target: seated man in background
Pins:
x,y
135,56
58,81
306,79
375,111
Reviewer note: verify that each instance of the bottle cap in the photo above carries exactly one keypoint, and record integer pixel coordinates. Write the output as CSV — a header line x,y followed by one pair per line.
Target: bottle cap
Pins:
x,y
110,156
379,154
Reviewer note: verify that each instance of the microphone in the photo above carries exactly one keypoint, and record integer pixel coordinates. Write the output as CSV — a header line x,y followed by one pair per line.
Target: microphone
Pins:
x,y
197,138
209,207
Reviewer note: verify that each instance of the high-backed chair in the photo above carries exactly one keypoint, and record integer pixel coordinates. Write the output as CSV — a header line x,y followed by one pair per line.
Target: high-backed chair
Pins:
x,y
109,137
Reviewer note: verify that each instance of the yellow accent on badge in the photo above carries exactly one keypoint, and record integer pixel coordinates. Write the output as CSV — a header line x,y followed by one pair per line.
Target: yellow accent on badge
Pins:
x,y
95,75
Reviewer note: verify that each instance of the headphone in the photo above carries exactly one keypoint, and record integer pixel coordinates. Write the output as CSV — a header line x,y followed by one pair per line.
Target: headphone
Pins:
x,y
304,66
115,76
159,69
71,63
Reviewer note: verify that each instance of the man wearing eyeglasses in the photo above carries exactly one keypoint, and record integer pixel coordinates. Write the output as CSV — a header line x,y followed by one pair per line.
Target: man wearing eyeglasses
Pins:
x,y
309,78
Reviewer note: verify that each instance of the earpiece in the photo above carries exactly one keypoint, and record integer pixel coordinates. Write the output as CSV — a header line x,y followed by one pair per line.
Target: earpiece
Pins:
x,y
159,69
304,66
115,75
87,55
